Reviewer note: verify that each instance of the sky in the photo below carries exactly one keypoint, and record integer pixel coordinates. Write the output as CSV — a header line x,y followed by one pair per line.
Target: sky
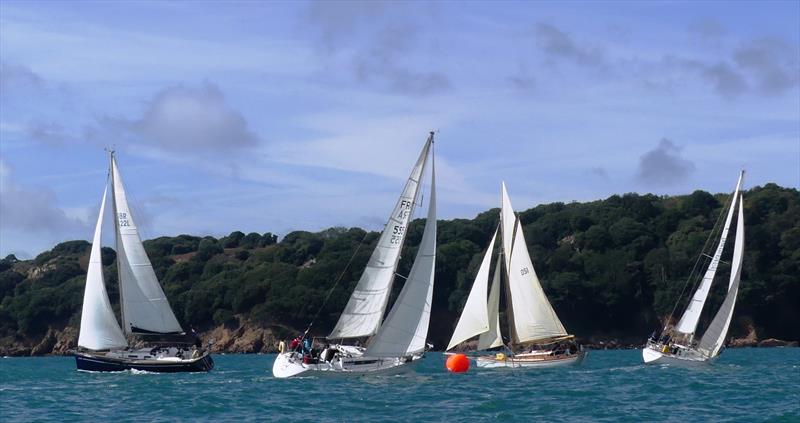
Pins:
x,y
281,116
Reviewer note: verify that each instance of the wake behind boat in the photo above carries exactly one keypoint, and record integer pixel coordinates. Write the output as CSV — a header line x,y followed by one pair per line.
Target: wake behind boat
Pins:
x,y
677,345
400,340
145,311
539,339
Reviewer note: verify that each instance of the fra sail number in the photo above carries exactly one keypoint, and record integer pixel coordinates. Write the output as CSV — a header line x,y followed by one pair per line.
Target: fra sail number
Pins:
x,y
399,230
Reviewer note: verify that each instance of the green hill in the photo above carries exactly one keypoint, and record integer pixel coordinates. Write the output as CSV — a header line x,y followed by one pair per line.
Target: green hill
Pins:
x,y
601,263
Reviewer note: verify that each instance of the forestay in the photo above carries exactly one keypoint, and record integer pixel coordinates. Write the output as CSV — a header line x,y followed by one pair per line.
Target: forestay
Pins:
x,y
474,318
99,328
714,337
144,305
688,322
364,310
406,328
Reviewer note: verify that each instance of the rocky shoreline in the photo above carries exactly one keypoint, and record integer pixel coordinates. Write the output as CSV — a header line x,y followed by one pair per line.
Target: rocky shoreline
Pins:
x,y
248,338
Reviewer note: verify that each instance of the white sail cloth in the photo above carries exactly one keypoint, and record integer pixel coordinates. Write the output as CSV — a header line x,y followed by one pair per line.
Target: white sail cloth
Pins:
x,y
364,310
99,329
688,322
492,338
144,305
406,328
474,318
714,338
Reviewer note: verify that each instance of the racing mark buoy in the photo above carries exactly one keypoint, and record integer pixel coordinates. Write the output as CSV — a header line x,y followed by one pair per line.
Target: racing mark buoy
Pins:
x,y
457,363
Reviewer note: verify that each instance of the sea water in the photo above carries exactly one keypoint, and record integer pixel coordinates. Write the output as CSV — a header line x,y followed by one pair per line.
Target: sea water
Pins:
x,y
747,385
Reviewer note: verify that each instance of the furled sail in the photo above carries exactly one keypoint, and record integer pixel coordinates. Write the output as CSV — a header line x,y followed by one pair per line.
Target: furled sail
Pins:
x,y
364,310
406,328
99,327
714,338
688,322
474,318
492,338
144,306
534,317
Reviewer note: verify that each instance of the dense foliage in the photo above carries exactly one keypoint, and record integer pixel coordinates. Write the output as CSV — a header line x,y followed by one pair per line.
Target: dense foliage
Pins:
x,y
610,268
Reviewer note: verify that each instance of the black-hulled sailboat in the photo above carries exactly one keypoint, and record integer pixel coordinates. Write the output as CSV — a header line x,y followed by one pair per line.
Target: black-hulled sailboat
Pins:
x,y
145,311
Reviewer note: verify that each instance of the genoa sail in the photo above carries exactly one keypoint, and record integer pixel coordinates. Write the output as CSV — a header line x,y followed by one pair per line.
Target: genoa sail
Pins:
x,y
688,322
714,337
475,316
406,328
364,310
99,328
145,308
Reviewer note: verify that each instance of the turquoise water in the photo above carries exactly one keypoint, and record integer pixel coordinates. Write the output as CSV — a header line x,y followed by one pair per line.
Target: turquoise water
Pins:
x,y
744,385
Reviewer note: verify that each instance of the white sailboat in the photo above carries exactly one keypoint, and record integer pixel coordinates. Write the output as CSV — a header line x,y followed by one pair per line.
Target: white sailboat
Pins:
x,y
102,344
678,344
537,334
400,339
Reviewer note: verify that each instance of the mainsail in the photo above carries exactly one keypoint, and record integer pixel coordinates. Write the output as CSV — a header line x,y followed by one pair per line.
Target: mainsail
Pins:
x,y
144,306
688,322
474,318
714,338
364,310
99,328
406,328
492,338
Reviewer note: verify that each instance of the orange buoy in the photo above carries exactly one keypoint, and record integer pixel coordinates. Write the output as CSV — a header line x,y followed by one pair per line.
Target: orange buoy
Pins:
x,y
457,363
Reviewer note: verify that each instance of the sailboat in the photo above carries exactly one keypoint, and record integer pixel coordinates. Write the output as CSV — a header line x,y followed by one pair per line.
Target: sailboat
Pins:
x,y
538,336
399,340
678,344
145,311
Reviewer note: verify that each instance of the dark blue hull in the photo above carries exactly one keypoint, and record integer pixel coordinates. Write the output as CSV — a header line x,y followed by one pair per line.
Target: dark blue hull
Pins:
x,y
98,363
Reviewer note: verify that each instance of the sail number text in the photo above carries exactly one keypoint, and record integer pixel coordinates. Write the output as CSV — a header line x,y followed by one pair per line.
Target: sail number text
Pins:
x,y
399,230
123,219
524,271
397,234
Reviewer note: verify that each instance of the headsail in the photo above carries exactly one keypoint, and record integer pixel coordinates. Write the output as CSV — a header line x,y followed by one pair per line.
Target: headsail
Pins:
x,y
492,338
364,310
688,322
406,328
534,317
714,338
474,318
99,327
145,308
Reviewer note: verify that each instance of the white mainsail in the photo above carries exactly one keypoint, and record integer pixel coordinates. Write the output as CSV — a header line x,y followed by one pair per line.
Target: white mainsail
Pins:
x,y
406,328
534,317
474,318
144,306
688,322
492,338
714,338
364,310
99,328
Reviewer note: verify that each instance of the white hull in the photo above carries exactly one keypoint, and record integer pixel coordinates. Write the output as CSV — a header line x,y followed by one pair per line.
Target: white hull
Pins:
x,y
491,362
349,362
686,357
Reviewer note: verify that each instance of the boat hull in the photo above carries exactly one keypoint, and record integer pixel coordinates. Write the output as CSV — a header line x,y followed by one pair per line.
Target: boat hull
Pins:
x,y
291,364
492,362
100,363
654,356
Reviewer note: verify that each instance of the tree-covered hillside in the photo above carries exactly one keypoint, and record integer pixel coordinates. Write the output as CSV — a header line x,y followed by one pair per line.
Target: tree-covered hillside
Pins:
x,y
611,268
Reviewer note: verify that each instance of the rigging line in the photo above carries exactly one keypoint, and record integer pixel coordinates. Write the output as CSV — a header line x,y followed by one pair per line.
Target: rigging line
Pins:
x,y
336,283
694,274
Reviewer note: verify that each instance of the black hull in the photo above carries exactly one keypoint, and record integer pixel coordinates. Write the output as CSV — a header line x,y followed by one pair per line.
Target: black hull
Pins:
x,y
94,363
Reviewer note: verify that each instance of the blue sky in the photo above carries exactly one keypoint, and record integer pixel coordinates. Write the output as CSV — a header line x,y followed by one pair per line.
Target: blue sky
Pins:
x,y
278,116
